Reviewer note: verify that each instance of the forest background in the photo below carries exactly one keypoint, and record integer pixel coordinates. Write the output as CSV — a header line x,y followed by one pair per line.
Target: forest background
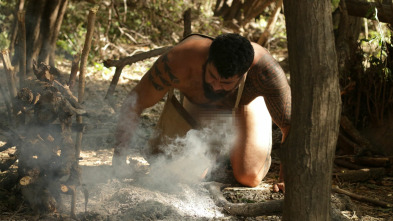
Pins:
x,y
126,28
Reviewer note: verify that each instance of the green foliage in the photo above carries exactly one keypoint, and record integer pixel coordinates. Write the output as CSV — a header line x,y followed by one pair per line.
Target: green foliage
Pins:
x,y
378,45
4,41
376,80
6,18
119,28
335,4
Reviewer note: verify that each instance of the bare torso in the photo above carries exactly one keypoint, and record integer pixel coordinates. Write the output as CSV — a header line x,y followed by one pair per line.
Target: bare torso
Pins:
x,y
187,60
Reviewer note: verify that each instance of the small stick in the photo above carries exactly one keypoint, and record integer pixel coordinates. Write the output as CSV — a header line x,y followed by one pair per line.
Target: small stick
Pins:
x,y
361,198
74,70
86,194
120,64
65,90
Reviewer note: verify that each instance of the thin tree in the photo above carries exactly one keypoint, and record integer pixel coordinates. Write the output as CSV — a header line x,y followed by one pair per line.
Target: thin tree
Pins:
x,y
43,21
309,150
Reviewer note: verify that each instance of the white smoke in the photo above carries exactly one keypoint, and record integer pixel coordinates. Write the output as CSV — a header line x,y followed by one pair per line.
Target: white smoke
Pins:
x,y
187,159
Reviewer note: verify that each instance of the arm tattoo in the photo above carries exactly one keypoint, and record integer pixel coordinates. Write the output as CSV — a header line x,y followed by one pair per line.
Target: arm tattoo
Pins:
x,y
158,74
167,69
155,84
161,79
267,79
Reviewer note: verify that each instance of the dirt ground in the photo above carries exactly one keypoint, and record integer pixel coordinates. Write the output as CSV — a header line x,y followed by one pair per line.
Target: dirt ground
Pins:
x,y
156,196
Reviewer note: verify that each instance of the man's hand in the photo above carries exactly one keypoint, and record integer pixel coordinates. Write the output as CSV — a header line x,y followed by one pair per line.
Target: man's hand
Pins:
x,y
279,186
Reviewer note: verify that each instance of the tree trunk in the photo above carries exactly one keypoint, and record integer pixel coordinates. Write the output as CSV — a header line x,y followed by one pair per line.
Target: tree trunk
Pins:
x,y
34,10
49,17
309,149
43,21
56,28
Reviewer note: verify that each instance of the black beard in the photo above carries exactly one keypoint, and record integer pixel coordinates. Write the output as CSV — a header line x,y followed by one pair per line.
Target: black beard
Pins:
x,y
208,89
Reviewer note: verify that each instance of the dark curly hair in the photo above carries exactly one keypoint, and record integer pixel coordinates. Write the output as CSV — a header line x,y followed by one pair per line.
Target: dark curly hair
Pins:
x,y
231,54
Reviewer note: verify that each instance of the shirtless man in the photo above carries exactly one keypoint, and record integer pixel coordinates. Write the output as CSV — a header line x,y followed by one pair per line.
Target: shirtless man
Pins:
x,y
208,73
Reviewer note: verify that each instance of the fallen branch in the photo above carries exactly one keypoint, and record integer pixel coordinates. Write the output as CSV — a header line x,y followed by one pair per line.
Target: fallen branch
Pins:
x,y
361,198
360,175
120,64
373,161
243,209
360,8
65,90
346,145
350,129
347,164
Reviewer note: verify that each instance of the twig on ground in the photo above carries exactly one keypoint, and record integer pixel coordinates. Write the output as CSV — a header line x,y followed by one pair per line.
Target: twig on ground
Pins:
x,y
361,198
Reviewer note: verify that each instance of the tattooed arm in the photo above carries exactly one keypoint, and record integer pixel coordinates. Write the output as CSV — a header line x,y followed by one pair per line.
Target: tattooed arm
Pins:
x,y
267,79
149,91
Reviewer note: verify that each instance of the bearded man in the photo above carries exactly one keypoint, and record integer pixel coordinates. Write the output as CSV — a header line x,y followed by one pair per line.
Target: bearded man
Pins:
x,y
227,74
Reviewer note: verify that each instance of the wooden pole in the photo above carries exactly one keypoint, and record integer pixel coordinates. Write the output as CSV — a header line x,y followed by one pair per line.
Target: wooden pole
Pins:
x,y
74,70
187,22
22,42
81,89
85,54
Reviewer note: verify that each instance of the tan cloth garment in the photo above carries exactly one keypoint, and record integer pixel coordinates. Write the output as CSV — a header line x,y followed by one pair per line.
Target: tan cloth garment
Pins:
x,y
176,121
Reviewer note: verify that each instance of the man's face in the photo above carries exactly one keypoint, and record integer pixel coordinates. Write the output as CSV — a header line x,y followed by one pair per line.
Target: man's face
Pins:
x,y
215,87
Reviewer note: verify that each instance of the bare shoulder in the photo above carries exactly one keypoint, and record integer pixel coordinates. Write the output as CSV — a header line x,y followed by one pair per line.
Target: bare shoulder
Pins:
x,y
173,69
265,77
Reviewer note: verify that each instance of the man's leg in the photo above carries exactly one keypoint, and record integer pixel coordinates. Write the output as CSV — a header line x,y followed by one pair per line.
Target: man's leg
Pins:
x,y
250,156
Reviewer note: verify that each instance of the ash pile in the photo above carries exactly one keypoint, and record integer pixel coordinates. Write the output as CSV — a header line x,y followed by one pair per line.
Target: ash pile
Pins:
x,y
45,156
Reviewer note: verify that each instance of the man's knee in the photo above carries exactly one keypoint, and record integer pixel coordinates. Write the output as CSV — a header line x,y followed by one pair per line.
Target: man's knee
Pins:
x,y
252,178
